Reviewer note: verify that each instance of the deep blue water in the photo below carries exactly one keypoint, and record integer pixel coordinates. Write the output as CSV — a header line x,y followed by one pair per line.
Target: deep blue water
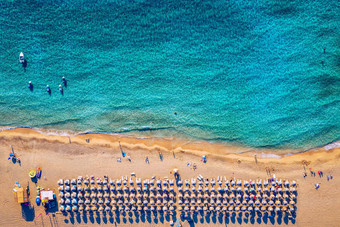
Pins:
x,y
242,72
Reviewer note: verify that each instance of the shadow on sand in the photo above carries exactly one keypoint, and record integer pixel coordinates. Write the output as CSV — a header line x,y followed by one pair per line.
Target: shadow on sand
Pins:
x,y
154,217
28,212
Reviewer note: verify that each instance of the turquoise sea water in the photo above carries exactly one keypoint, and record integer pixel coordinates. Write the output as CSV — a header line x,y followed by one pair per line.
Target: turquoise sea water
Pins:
x,y
242,72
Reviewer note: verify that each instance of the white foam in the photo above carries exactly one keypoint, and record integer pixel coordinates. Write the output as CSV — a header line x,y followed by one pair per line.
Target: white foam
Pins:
x,y
332,146
264,155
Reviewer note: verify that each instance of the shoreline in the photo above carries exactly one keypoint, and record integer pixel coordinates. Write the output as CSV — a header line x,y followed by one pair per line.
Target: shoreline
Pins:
x,y
160,144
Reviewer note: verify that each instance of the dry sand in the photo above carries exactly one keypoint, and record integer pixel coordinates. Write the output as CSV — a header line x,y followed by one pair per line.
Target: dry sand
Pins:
x,y
61,159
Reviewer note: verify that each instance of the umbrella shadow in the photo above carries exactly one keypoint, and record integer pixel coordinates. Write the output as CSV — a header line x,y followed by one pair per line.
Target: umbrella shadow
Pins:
x,y
28,212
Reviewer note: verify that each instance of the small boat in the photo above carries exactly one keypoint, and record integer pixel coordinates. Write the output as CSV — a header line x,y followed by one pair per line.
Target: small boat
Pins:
x,y
21,58
39,172
48,89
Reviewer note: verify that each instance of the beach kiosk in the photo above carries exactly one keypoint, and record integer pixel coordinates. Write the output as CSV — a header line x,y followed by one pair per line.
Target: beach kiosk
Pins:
x,y
48,198
20,195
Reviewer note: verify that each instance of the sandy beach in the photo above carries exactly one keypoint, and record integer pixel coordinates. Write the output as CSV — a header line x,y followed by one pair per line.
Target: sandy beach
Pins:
x,y
97,154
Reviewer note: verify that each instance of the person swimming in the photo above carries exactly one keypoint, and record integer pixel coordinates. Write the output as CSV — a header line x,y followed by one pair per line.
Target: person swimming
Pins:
x,y
64,81
48,89
61,89
30,85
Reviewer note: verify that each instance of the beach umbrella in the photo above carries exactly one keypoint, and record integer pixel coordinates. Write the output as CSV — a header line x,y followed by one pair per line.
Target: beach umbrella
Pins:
x,y
264,202
74,208
68,208
87,202
225,202
250,208
61,195
285,202
238,202
61,188
231,208
61,201
257,202
68,201
73,195
271,202
243,208
80,202
231,202
206,202
74,201
133,208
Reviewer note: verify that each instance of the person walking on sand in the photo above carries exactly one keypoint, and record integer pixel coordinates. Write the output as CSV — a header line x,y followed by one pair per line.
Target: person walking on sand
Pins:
x,y
128,158
147,160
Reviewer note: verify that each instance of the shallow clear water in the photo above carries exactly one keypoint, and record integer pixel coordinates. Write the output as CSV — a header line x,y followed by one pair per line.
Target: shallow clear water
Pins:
x,y
246,73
